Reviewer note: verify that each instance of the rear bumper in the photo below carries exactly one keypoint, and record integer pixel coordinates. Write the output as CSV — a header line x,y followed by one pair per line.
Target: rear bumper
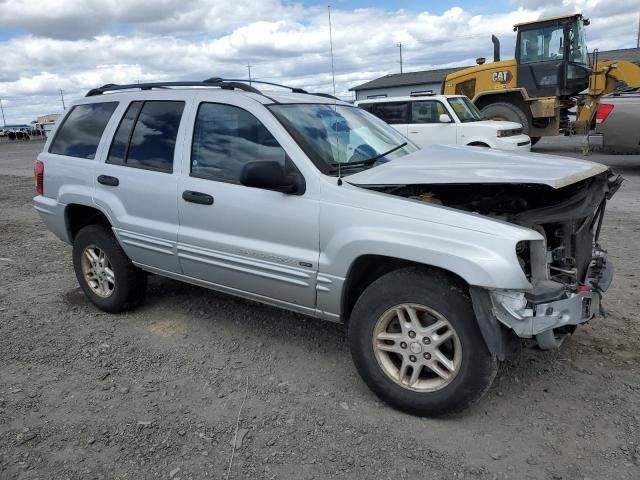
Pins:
x,y
52,214
544,312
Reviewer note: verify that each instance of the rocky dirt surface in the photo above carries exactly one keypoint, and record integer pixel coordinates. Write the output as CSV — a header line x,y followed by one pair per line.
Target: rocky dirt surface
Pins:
x,y
156,393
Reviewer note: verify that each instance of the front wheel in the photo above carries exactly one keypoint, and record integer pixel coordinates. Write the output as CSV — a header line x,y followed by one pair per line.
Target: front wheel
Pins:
x,y
416,343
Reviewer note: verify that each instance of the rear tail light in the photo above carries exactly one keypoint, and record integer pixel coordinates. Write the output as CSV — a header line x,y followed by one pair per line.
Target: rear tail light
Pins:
x,y
38,175
604,109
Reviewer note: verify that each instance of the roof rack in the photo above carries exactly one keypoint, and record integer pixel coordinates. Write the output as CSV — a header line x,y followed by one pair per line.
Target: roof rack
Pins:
x,y
211,82
224,83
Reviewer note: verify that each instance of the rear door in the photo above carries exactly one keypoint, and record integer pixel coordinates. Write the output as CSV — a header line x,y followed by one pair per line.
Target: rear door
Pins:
x,y
136,184
426,128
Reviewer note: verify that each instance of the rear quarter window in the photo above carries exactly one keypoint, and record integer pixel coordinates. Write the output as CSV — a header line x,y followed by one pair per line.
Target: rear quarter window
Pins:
x,y
392,112
82,129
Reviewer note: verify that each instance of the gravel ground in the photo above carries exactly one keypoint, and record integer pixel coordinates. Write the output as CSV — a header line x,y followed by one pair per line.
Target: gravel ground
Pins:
x,y
156,393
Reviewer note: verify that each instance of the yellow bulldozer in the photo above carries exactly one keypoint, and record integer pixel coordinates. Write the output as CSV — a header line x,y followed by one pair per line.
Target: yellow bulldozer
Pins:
x,y
552,73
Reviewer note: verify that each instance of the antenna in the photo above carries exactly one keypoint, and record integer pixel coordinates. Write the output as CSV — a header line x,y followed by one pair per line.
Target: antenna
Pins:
x,y
62,98
4,122
333,79
333,71
249,68
400,46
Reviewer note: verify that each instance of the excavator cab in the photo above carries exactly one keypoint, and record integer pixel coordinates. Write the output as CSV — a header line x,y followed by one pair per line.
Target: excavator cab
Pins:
x,y
551,56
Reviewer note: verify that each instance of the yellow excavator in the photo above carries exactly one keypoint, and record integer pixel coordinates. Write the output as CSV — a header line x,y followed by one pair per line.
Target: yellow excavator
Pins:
x,y
552,72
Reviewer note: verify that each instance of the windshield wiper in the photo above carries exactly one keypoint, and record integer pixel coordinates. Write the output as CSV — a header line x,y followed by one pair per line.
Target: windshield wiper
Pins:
x,y
368,161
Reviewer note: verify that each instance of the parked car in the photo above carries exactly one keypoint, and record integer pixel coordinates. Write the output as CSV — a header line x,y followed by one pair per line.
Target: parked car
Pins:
x,y
618,121
438,260
446,119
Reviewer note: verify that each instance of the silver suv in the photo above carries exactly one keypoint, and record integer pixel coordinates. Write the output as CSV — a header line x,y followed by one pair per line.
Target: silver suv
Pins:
x,y
438,260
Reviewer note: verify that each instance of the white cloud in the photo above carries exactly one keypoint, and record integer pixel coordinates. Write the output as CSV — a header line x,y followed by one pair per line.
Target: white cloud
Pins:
x,y
76,45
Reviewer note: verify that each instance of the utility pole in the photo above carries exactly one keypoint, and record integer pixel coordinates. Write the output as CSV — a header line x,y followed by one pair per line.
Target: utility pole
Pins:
x,y
4,122
399,45
638,39
249,68
62,98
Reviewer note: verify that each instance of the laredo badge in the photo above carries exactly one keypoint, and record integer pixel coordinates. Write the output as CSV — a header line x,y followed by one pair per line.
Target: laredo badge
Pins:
x,y
503,76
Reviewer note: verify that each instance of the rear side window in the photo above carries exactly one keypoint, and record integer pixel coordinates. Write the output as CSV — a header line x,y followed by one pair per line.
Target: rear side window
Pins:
x,y
368,107
146,136
392,112
226,138
80,133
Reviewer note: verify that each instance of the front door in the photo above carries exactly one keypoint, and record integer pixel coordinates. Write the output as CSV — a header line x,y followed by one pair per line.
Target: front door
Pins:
x,y
426,128
242,239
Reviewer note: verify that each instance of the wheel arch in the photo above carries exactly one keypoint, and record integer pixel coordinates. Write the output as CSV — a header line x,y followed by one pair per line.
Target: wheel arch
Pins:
x,y
78,216
367,268
516,96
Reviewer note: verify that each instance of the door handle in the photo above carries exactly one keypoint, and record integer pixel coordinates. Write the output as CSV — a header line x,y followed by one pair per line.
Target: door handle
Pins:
x,y
197,197
414,132
108,180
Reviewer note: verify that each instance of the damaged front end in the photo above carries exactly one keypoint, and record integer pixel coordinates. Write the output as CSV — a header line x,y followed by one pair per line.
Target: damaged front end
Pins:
x,y
568,269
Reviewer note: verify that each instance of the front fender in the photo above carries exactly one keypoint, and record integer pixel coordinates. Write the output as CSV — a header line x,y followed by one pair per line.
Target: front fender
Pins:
x,y
478,249
490,263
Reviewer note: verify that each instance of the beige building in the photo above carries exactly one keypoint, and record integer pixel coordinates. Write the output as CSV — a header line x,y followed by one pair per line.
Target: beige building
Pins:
x,y
49,119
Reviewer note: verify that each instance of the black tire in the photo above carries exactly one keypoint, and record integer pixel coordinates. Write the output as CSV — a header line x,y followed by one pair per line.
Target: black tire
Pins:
x,y
508,112
446,295
130,284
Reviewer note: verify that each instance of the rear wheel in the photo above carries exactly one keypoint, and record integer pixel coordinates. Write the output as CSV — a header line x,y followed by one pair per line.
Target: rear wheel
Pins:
x,y
105,273
416,343
507,112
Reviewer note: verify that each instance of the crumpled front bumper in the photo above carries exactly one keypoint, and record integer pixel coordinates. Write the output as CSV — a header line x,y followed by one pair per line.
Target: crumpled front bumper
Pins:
x,y
540,313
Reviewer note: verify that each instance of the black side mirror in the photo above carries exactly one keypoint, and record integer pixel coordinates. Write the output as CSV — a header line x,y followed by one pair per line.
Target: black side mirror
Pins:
x,y
270,175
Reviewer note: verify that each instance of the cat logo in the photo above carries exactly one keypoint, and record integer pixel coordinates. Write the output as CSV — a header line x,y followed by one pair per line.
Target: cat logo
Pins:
x,y
503,76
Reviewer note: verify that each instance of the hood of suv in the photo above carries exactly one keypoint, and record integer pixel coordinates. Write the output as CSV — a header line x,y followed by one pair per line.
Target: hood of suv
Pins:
x,y
446,164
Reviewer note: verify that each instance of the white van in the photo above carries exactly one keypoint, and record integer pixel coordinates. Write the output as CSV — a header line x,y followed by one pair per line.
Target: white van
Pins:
x,y
446,119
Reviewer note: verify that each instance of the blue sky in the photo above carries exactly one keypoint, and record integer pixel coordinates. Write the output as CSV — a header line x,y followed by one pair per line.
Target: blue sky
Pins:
x,y
75,45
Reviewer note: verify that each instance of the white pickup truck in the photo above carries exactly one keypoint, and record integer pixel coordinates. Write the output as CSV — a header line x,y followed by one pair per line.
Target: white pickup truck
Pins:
x,y
446,119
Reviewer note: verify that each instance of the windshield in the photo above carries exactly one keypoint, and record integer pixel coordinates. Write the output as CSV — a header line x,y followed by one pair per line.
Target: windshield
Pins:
x,y
547,43
466,111
339,135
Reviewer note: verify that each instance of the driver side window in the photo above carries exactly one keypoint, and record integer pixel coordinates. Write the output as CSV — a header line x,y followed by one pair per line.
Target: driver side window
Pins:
x,y
225,139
